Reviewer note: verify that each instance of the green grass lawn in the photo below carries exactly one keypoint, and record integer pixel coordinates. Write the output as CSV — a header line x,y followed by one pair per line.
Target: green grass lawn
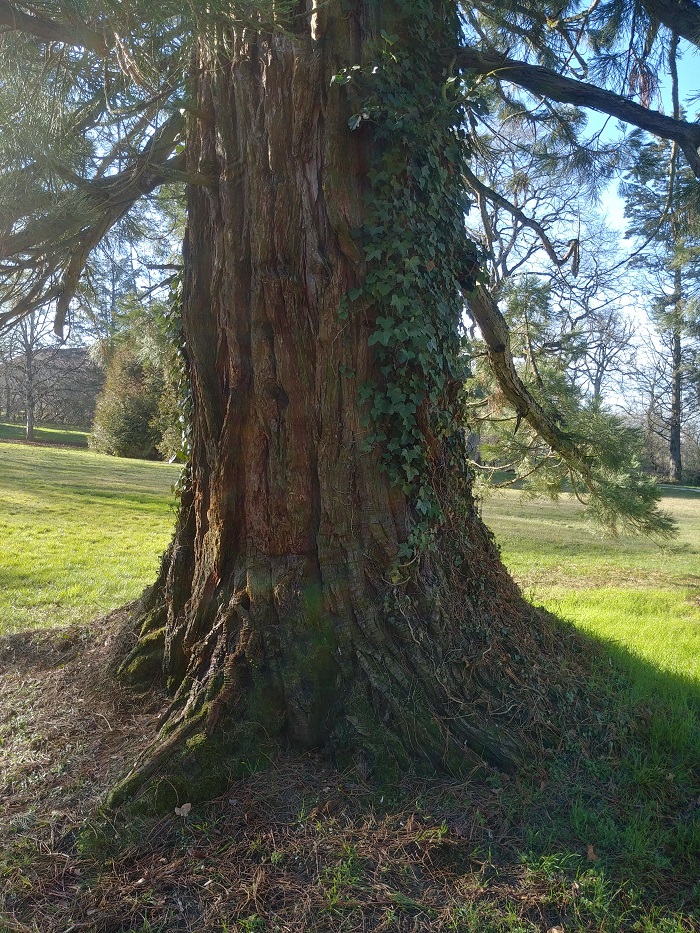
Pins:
x,y
640,603
81,532
45,434
633,591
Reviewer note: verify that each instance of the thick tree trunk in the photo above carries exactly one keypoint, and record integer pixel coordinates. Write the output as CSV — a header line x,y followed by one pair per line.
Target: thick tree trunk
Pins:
x,y
29,396
675,469
276,618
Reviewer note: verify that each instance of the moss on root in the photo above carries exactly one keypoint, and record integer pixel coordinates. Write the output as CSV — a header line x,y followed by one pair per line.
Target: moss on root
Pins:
x,y
143,666
413,689
197,754
202,771
199,768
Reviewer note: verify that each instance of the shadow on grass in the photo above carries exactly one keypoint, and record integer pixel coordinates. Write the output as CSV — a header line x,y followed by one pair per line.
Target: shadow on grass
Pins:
x,y
630,785
58,477
40,649
132,501
602,835
679,492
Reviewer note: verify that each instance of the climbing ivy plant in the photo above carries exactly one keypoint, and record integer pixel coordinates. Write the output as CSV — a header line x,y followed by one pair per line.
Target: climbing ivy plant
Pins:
x,y
419,257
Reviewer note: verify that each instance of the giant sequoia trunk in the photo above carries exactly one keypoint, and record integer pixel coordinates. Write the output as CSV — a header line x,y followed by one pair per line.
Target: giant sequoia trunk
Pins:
x,y
282,616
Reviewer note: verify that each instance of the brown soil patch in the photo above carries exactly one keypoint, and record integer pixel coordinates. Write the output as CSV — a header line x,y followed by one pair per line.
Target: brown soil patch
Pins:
x,y
297,848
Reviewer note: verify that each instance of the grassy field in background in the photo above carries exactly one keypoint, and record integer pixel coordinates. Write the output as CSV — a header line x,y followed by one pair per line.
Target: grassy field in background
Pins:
x,y
81,532
630,590
45,434
603,837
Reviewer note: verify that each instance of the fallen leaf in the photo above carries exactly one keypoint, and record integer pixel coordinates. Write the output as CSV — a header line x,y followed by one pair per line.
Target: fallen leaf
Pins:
x,y
591,854
184,809
557,929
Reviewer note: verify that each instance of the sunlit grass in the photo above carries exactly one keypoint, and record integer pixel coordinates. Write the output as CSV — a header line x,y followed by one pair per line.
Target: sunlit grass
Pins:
x,y
662,626
81,533
633,591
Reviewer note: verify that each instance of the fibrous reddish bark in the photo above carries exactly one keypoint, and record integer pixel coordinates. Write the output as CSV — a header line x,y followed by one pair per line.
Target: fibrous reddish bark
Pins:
x,y
281,611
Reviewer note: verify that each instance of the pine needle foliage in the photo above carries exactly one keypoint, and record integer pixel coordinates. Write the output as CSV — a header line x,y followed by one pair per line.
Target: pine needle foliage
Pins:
x,y
93,120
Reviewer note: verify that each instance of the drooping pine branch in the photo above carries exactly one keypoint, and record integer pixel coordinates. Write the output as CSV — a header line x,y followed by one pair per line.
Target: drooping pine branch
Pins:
x,y
72,33
550,85
617,493
50,270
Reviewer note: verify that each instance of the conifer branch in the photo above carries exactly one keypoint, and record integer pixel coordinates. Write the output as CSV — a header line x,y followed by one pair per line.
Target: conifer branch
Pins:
x,y
48,30
549,84
634,502
59,278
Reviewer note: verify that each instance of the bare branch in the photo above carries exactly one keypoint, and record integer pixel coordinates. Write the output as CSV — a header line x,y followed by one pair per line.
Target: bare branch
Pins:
x,y
548,84
75,34
477,185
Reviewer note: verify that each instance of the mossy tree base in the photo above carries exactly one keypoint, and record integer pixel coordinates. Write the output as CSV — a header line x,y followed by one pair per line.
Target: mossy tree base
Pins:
x,y
464,677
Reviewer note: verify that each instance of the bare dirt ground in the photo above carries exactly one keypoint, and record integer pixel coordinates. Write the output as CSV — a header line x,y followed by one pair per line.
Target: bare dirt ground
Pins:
x,y
296,848
66,732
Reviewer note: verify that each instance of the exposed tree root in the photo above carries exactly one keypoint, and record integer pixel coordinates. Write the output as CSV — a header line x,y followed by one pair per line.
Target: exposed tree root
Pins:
x,y
448,671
